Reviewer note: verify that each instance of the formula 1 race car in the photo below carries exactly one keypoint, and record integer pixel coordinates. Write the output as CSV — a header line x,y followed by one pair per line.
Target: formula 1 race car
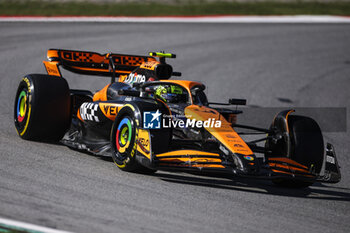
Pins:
x,y
147,122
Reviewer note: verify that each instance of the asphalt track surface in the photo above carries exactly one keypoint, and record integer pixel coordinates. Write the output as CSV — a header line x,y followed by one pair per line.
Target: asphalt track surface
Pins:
x,y
53,186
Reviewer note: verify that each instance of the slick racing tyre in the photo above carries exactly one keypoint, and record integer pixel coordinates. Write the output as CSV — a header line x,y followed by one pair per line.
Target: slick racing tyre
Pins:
x,y
307,142
42,107
307,146
123,142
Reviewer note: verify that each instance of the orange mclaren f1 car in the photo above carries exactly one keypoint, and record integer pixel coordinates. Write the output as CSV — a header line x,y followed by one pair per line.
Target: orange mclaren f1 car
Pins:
x,y
148,122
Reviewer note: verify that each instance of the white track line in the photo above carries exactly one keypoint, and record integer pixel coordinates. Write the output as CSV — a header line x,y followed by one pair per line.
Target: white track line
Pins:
x,y
16,225
183,19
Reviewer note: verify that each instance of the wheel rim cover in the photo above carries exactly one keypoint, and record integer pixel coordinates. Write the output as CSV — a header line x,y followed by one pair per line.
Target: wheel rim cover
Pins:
x,y
21,106
123,135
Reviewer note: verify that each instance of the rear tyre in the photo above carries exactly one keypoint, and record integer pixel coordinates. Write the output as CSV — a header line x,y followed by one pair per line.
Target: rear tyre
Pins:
x,y
42,107
123,142
307,147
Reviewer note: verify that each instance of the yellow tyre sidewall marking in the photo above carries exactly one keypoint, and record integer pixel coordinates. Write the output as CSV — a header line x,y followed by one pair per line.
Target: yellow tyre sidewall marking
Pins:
x,y
29,107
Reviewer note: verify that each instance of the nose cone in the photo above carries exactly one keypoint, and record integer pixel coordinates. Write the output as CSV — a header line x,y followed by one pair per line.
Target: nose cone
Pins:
x,y
224,133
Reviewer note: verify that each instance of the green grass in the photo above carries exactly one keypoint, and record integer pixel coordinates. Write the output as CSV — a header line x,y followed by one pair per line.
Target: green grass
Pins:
x,y
158,9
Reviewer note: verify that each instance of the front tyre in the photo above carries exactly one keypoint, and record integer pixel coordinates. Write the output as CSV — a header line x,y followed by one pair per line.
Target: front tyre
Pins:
x,y
307,142
124,136
123,140
307,147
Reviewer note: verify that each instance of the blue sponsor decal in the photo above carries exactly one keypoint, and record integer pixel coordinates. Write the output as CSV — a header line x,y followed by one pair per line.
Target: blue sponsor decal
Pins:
x,y
151,120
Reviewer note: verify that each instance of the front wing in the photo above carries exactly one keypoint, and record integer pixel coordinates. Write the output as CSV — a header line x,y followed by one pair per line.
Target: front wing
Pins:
x,y
207,162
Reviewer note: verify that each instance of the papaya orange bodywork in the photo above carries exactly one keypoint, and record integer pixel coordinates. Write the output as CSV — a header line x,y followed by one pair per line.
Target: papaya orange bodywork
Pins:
x,y
110,110
290,173
186,153
188,85
191,160
78,115
225,134
150,65
188,158
52,53
144,143
52,68
193,165
287,160
101,95
287,167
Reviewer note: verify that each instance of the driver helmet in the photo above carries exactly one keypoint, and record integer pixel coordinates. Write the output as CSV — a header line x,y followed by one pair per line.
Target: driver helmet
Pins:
x,y
169,93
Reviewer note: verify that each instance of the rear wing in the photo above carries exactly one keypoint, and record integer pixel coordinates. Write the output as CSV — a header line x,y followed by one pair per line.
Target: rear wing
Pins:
x,y
91,63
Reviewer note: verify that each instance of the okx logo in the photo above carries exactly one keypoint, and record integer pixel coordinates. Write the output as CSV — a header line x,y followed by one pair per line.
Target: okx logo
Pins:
x,y
151,120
